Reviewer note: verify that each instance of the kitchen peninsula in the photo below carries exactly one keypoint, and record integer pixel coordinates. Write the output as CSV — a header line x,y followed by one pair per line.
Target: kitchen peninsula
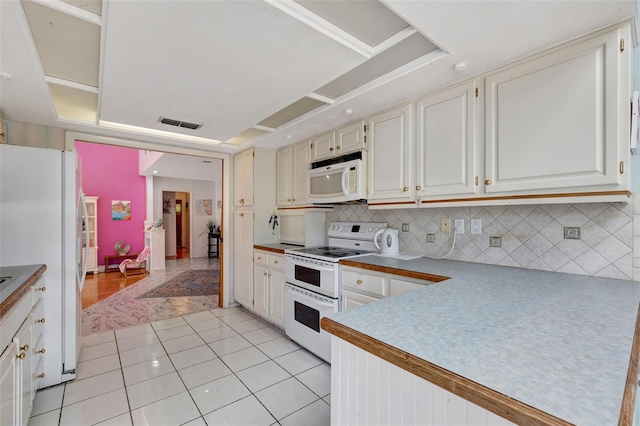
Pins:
x,y
532,347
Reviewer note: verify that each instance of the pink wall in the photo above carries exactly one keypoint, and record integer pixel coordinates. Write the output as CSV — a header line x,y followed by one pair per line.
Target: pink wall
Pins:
x,y
111,173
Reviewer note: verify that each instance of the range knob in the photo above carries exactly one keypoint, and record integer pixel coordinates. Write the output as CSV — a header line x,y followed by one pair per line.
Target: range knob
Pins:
x,y
332,227
370,229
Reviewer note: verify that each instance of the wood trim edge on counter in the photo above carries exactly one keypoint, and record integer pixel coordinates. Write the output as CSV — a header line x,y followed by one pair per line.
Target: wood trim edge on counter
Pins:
x,y
6,306
630,388
271,249
489,399
400,272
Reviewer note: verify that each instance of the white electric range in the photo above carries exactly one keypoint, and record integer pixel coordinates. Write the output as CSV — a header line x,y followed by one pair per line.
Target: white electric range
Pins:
x,y
313,282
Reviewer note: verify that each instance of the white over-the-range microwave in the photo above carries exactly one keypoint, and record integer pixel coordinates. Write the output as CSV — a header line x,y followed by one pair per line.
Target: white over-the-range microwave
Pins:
x,y
339,182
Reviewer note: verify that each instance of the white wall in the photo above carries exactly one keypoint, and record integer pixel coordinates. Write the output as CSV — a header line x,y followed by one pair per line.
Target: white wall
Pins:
x,y
199,189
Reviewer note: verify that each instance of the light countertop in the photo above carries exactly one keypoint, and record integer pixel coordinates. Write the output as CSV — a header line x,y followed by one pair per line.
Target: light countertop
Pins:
x,y
18,279
560,343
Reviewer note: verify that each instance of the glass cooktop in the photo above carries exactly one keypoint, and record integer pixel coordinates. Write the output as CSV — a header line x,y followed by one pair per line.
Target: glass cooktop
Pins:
x,y
331,252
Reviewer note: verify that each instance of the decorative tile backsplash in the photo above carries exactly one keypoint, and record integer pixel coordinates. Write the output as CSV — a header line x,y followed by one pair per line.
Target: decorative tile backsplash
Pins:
x,y
532,235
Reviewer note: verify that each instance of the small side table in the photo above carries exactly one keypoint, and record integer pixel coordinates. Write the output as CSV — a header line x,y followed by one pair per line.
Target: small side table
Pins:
x,y
210,238
108,258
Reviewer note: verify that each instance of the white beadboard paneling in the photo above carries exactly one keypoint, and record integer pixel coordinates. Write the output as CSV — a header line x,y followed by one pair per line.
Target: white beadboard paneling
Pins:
x,y
532,236
367,390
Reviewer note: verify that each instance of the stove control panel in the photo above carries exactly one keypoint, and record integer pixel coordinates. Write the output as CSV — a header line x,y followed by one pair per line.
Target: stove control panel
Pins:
x,y
355,230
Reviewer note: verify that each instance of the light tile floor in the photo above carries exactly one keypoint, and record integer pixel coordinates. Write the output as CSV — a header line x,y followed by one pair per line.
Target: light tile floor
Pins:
x,y
217,367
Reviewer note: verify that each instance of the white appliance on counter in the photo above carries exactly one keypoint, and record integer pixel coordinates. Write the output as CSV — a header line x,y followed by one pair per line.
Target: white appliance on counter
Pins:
x,y
338,180
41,214
312,289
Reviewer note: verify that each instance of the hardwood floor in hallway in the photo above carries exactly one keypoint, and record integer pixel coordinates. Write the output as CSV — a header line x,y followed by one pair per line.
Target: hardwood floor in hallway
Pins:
x,y
102,285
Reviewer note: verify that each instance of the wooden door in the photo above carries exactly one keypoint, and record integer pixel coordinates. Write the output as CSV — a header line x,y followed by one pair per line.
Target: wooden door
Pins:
x,y
178,223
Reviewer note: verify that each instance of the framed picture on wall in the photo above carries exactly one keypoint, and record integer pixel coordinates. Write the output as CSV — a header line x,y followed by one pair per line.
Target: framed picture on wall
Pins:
x,y
204,207
120,210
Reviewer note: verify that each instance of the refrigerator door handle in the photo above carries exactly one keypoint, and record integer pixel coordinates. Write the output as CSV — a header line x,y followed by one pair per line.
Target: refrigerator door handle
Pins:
x,y
83,275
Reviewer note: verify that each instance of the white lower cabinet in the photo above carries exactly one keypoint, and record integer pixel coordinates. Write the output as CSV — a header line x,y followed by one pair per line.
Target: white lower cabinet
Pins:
x,y
367,390
21,363
267,294
360,286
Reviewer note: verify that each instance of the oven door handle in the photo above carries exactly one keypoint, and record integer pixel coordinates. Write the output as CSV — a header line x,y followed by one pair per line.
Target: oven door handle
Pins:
x,y
312,266
304,296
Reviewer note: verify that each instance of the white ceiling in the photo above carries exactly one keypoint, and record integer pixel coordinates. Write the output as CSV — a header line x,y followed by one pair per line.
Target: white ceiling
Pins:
x,y
230,65
184,167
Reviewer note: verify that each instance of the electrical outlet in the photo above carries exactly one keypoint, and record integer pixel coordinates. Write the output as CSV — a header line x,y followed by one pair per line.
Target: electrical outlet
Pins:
x,y
459,226
571,232
405,227
431,238
495,241
446,224
476,226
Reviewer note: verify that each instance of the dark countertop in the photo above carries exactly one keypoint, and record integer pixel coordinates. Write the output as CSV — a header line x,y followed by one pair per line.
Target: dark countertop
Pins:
x,y
276,247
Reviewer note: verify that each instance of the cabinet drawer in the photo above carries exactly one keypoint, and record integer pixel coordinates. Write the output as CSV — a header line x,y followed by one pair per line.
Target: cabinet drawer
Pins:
x,y
38,318
36,290
276,262
400,286
261,258
364,282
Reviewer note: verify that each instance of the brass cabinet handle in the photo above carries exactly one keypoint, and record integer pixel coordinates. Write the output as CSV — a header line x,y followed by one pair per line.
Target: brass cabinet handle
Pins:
x,y
337,147
41,289
264,273
241,214
41,351
40,376
21,356
418,188
359,282
405,189
289,199
487,181
41,321
331,149
25,348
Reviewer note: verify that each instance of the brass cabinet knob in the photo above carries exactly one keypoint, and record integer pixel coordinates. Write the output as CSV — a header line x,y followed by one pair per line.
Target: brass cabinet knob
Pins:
x,y
359,282
293,199
241,214
41,289
41,351
41,321
24,348
337,147
21,356
331,149
418,188
40,376
259,258
275,261
264,273
405,189
487,181
289,199
269,274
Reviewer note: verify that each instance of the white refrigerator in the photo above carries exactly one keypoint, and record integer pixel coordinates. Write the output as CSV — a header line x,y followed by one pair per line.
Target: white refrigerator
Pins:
x,y
40,222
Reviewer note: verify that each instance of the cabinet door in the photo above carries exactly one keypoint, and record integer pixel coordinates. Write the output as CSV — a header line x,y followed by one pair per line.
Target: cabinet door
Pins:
x,y
276,297
447,147
24,341
243,179
9,389
243,257
261,290
322,147
350,138
352,300
300,166
397,286
391,155
559,121
283,177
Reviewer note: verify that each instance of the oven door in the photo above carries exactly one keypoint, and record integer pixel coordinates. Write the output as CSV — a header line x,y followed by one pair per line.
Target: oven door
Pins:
x,y
303,311
317,276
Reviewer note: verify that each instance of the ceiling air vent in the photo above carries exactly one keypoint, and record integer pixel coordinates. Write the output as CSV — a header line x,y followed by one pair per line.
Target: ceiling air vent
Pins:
x,y
178,123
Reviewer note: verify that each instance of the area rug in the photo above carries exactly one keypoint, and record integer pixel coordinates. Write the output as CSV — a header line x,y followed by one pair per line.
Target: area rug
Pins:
x,y
190,283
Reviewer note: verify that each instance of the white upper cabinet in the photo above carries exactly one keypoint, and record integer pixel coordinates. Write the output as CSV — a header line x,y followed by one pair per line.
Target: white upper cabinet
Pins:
x,y
323,146
560,121
283,177
391,144
447,143
292,166
350,138
243,179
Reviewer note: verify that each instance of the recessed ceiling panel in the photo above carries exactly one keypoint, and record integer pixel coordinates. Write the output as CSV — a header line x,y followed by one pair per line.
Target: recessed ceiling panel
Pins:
x,y
245,137
69,47
232,65
291,112
74,104
93,6
369,21
409,49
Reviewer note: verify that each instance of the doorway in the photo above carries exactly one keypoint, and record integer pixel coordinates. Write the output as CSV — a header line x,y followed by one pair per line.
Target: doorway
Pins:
x,y
177,220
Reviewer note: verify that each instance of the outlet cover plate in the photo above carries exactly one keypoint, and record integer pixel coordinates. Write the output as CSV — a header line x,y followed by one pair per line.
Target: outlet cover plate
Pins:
x,y
495,241
405,227
446,224
476,226
571,232
431,238
459,226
